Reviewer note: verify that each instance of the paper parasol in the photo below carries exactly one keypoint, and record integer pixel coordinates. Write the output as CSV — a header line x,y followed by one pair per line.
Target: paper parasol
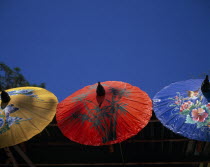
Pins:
x,y
104,113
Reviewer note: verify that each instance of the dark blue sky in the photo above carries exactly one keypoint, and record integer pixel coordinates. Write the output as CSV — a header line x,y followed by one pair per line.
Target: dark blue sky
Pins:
x,y
70,44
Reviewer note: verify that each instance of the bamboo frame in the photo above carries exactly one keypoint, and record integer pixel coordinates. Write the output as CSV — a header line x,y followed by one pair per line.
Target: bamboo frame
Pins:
x,y
120,164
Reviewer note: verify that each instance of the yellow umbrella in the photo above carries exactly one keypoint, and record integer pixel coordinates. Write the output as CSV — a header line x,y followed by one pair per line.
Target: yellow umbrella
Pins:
x,y
28,112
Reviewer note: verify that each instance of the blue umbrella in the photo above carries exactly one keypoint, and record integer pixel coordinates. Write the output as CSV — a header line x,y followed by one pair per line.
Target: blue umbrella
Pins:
x,y
184,108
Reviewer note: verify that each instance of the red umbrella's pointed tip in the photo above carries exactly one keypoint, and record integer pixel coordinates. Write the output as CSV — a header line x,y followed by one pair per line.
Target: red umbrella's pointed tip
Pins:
x,y
100,90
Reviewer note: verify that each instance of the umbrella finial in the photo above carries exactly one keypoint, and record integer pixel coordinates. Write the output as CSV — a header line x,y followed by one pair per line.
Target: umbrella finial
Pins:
x,y
5,98
205,88
100,91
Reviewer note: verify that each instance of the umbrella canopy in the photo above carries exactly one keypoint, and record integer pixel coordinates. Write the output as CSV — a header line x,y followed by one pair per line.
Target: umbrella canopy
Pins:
x,y
105,113
184,109
28,111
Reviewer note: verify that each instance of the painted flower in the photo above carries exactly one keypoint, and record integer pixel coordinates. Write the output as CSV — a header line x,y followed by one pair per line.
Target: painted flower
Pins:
x,y
1,122
199,115
186,106
178,102
208,106
12,120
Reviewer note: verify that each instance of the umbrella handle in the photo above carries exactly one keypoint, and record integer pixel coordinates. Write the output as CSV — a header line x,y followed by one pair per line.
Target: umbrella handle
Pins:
x,y
11,157
24,156
111,148
121,152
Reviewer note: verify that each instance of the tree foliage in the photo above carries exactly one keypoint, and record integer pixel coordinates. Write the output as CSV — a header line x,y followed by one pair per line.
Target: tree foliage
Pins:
x,y
11,78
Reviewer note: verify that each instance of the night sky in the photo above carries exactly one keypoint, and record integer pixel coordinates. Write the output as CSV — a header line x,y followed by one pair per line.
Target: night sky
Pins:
x,y
70,44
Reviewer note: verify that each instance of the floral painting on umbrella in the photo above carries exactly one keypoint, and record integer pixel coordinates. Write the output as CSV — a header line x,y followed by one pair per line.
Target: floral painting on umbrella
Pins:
x,y
28,111
6,121
183,108
194,107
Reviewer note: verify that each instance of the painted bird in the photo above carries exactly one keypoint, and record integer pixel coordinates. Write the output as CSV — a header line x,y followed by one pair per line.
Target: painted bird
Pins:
x,y
205,88
100,91
193,94
5,98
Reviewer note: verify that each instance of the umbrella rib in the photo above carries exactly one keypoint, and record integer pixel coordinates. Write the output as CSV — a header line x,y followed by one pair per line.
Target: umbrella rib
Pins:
x,y
70,127
162,104
181,125
166,123
12,135
47,102
131,133
38,106
124,120
135,118
22,113
12,132
194,130
23,132
67,117
35,113
164,112
127,98
138,110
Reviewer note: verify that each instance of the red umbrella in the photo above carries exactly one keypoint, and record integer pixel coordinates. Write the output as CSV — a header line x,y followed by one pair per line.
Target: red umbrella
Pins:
x,y
105,113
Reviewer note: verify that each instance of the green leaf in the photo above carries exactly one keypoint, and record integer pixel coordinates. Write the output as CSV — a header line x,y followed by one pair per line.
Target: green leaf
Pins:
x,y
185,112
172,105
192,107
207,119
171,98
200,124
190,120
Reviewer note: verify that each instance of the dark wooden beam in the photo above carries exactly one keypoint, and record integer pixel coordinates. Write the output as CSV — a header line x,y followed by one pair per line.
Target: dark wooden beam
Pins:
x,y
128,141
151,121
118,164
159,140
